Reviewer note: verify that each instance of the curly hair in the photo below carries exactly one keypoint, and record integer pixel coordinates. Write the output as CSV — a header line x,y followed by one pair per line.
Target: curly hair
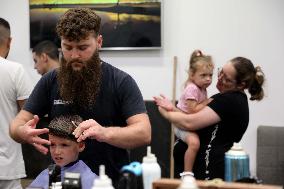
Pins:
x,y
63,126
76,24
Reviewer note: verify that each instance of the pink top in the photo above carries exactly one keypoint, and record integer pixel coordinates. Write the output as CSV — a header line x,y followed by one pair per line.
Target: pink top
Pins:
x,y
191,92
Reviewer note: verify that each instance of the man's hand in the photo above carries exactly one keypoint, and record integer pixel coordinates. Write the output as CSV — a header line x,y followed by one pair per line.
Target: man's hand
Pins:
x,y
89,129
31,135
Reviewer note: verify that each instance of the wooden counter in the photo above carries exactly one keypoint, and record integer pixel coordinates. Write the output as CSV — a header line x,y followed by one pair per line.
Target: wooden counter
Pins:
x,y
217,184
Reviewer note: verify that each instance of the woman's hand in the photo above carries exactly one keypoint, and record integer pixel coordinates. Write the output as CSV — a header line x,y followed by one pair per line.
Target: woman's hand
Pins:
x,y
164,102
163,112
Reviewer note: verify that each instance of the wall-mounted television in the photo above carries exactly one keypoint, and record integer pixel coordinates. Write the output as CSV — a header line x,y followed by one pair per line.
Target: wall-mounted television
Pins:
x,y
126,24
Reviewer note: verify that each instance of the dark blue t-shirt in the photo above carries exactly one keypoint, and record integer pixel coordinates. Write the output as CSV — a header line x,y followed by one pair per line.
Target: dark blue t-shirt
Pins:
x,y
119,98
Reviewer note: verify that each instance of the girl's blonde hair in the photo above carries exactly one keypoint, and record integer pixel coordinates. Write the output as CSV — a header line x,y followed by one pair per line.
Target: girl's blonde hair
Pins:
x,y
197,58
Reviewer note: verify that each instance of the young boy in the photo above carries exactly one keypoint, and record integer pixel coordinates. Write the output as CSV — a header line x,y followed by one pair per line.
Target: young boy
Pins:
x,y
64,150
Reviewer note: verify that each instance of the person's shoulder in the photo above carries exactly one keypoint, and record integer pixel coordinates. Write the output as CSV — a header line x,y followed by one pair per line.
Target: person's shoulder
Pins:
x,y
192,86
86,168
10,63
12,68
108,68
48,79
41,179
233,94
230,97
112,74
50,75
83,164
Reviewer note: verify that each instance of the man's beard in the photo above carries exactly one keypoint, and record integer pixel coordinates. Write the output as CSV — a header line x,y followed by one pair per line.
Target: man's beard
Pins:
x,y
80,87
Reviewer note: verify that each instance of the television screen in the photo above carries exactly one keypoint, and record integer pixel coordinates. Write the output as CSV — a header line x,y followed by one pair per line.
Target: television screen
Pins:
x,y
126,24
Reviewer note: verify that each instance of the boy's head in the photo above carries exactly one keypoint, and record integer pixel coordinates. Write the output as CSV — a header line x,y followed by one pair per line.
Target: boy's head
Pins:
x,y
64,148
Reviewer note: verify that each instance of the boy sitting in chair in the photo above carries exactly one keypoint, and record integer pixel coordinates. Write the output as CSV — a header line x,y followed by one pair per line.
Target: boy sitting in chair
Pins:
x,y
64,150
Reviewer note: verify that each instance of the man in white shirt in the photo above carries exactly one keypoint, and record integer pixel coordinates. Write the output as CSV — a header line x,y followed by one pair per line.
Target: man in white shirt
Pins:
x,y
14,90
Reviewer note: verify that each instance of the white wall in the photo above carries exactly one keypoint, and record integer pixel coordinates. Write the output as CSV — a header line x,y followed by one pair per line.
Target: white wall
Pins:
x,y
222,28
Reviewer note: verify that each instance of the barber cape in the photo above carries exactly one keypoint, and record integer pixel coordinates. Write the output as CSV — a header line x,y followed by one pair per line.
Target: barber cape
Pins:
x,y
87,176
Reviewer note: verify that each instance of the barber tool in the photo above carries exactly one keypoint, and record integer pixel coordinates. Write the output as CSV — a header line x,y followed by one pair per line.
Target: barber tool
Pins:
x,y
75,124
54,173
71,180
236,163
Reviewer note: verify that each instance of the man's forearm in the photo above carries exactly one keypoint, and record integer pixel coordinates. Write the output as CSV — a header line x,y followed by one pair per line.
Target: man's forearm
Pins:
x,y
128,137
15,130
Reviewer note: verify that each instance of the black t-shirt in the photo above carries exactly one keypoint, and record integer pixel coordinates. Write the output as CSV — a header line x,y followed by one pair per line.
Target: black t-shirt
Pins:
x,y
119,98
215,140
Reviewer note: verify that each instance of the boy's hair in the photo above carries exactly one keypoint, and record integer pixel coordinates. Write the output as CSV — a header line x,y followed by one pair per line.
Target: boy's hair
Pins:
x,y
77,23
47,47
63,127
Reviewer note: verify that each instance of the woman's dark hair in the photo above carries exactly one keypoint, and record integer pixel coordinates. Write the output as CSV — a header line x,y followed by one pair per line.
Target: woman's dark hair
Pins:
x,y
252,77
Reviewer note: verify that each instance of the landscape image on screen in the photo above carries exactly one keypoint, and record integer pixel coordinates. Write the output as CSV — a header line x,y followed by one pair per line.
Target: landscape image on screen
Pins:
x,y
134,24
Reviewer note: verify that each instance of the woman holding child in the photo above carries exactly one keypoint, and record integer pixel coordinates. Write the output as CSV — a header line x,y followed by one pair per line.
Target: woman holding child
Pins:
x,y
222,122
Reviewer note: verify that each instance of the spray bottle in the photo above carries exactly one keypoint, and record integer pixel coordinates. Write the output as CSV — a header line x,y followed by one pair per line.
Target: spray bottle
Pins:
x,y
236,163
103,182
151,170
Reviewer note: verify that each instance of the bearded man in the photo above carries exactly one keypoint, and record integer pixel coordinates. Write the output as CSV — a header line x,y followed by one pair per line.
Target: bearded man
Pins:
x,y
107,98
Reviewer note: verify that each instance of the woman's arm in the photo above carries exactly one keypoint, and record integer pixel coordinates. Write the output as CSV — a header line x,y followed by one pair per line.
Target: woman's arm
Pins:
x,y
192,122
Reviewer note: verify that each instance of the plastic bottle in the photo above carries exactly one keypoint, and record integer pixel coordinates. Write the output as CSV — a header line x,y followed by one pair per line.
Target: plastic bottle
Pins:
x,y
151,170
131,176
103,182
236,163
188,182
